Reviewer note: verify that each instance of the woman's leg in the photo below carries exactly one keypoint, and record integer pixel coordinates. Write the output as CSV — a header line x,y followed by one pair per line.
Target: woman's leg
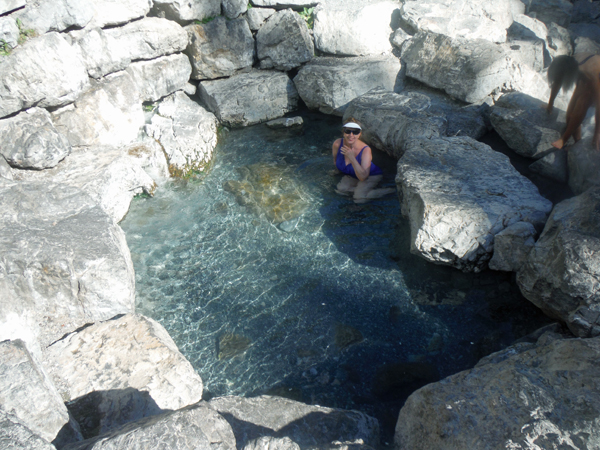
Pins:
x,y
347,185
578,107
365,190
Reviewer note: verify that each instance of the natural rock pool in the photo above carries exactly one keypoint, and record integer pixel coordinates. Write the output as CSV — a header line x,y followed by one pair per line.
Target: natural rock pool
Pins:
x,y
329,306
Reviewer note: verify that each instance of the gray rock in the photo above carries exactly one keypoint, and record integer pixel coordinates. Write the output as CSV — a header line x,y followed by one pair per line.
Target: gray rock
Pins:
x,y
329,84
65,263
30,140
160,77
548,11
512,246
527,52
284,42
283,123
14,435
584,11
523,123
257,16
11,5
187,133
540,395
458,194
282,4
27,392
558,41
259,96
584,165
9,32
234,8
552,165
391,120
5,169
562,272
354,28
219,48
113,49
588,30
131,351
308,426
43,16
44,72
185,12
195,427
399,37
108,114
271,443
109,13
586,45
467,19
525,27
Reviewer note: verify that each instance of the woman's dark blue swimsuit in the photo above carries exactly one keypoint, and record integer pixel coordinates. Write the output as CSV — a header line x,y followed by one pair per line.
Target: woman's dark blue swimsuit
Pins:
x,y
347,169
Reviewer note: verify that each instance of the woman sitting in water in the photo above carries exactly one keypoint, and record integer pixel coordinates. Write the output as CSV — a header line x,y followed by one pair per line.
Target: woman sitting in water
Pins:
x,y
353,158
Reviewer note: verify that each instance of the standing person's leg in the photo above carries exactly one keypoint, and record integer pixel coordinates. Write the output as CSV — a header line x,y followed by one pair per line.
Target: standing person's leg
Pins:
x,y
578,107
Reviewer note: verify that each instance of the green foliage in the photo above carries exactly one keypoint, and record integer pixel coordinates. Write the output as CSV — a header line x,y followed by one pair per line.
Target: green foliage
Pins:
x,y
205,20
250,6
308,14
5,49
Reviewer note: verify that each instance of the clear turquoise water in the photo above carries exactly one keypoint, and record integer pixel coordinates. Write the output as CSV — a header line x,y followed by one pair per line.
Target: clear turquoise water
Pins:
x,y
207,267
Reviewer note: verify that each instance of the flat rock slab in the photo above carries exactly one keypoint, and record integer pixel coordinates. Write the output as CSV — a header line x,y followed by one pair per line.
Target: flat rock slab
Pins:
x,y
524,124
109,13
131,351
64,263
329,84
186,12
539,395
562,273
308,426
15,435
392,119
43,16
458,194
249,98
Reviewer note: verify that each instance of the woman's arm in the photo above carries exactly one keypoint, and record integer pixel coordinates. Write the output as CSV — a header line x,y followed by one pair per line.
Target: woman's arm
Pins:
x,y
334,149
362,170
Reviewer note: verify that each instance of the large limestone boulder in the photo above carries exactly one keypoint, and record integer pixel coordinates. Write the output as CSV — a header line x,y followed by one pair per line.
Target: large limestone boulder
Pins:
x,y
43,16
329,84
186,131
468,19
44,72
562,274
524,124
531,395
584,165
259,96
457,194
11,5
392,119
196,427
15,435
160,77
308,426
6,171
354,28
284,42
512,246
113,49
109,13
9,32
30,140
281,4
553,165
219,48
257,16
27,392
232,9
140,354
64,263
108,114
185,12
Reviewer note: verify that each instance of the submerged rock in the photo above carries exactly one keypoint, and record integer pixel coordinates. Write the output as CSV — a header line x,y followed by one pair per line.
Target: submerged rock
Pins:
x,y
231,345
345,336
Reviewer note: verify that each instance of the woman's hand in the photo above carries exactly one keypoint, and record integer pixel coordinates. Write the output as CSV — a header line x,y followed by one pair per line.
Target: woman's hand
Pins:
x,y
347,152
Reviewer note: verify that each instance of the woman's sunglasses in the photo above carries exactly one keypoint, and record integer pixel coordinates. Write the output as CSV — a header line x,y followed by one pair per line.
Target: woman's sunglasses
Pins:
x,y
353,131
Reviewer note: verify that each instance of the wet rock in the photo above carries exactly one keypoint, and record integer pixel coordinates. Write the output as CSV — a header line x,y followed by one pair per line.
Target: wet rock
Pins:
x,y
231,345
51,15
512,246
27,392
345,336
269,189
257,16
468,19
549,393
283,42
43,72
584,165
523,123
131,351
30,140
552,165
219,48
271,443
195,427
15,435
329,84
284,123
394,381
548,11
185,12
108,114
307,425
458,194
65,263
361,29
260,96
561,275
160,77
187,133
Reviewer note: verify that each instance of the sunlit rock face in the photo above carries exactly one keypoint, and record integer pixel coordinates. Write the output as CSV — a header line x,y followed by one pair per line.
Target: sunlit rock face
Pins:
x,y
268,189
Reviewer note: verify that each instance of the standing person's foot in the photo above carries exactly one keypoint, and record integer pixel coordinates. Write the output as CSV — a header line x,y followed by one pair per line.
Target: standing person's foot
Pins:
x,y
558,144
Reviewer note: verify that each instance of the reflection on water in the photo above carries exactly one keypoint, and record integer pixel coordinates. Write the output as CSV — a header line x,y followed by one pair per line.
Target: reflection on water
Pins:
x,y
269,281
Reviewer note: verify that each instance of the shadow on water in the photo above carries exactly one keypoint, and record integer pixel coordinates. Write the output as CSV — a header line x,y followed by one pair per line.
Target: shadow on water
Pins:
x,y
337,311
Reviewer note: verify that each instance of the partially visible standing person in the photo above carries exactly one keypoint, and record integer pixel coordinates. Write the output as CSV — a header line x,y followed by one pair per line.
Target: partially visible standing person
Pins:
x,y
353,158
584,70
